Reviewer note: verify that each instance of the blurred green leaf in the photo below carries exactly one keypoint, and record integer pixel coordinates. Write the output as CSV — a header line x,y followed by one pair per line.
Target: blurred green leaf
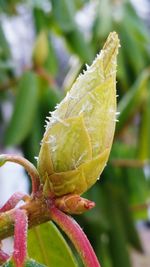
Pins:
x,y
51,63
24,111
47,245
129,44
103,19
77,43
40,19
144,137
129,226
117,239
4,46
64,14
134,98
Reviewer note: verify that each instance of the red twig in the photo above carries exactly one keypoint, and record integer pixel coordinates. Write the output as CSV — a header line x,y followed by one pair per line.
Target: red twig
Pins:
x,y
30,168
20,238
76,235
13,200
3,257
45,76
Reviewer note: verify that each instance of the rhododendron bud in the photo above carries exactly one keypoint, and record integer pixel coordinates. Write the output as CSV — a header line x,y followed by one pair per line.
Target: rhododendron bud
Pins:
x,y
79,133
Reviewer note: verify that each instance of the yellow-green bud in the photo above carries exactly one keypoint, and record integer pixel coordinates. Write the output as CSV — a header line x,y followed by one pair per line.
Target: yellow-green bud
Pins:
x,y
40,51
79,133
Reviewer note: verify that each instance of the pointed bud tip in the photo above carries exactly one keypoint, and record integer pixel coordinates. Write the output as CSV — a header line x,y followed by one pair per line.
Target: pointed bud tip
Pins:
x,y
89,205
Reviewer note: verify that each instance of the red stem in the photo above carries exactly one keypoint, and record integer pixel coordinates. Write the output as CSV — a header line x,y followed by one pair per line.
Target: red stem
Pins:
x,y
30,168
13,201
76,235
3,257
20,238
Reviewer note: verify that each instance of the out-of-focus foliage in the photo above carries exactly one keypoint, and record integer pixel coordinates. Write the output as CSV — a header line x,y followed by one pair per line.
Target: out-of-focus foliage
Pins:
x,y
34,93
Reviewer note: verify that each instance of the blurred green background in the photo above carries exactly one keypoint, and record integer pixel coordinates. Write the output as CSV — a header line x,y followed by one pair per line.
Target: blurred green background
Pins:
x,y
44,45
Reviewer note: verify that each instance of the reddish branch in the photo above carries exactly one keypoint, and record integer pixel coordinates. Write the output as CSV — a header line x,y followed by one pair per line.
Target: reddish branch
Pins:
x,y
131,163
30,168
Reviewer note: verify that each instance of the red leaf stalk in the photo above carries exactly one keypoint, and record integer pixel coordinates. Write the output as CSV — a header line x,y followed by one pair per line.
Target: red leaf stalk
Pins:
x,y
30,168
76,235
20,238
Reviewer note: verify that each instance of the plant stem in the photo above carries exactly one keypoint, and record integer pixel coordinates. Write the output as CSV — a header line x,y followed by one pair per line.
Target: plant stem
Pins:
x,y
131,163
9,84
3,257
20,238
30,168
76,235
45,76
36,210
13,200
139,207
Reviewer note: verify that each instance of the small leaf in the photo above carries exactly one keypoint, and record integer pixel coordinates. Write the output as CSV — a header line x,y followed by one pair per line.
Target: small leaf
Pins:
x,y
65,146
24,110
47,246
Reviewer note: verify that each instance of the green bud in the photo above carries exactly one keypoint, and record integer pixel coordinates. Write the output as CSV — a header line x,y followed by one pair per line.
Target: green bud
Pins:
x,y
40,51
79,133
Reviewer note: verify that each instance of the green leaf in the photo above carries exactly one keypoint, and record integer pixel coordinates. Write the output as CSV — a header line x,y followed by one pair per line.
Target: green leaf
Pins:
x,y
117,238
24,110
4,47
128,223
39,18
79,45
51,63
103,21
47,246
132,100
144,138
132,48
64,13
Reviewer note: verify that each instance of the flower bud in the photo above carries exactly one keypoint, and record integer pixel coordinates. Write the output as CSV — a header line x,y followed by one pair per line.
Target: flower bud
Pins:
x,y
79,133
40,51
73,204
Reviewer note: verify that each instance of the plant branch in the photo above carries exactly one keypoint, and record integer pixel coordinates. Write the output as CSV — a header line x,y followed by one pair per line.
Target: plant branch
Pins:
x,y
13,201
36,210
139,207
76,235
20,238
8,84
45,76
30,168
131,163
